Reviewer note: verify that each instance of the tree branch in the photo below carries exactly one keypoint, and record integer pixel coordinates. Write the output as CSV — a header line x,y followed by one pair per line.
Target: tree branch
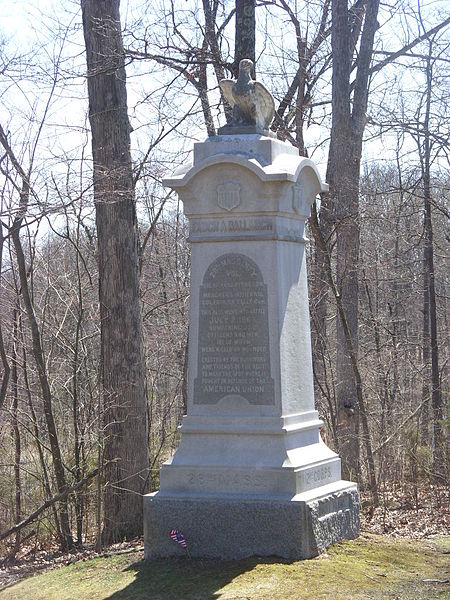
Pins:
x,y
402,51
62,496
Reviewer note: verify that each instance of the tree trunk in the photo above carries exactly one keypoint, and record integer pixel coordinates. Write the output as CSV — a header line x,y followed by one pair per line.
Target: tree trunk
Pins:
x,y
426,371
210,13
16,430
346,180
341,176
3,356
436,397
245,34
78,438
320,240
125,451
37,437
38,353
348,122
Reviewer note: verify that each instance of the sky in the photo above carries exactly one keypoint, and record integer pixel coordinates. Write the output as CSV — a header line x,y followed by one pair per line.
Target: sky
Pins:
x,y
36,33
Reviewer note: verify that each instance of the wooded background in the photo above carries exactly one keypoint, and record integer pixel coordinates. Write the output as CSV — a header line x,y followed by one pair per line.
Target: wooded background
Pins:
x,y
94,288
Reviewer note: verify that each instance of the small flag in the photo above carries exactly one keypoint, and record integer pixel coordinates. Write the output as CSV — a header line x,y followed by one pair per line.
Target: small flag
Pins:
x,y
178,537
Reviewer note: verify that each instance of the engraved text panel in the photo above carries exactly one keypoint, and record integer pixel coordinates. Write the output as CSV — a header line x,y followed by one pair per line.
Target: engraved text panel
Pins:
x,y
233,344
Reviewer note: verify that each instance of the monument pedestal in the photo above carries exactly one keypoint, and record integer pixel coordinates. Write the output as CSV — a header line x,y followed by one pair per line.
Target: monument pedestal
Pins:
x,y
227,528
252,475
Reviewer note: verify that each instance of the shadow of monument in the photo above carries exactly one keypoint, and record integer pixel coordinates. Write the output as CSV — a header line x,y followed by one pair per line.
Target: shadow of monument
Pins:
x,y
184,578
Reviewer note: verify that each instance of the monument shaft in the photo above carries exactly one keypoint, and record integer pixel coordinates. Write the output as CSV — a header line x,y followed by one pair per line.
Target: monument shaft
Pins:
x,y
251,456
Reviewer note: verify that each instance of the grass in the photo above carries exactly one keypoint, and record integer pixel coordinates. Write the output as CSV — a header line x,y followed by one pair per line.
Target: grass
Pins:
x,y
373,567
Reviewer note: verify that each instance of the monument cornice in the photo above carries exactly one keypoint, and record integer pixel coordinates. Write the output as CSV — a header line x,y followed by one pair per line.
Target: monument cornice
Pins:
x,y
286,167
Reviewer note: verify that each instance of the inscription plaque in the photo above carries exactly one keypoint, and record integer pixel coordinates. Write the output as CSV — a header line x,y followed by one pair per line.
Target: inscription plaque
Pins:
x,y
233,339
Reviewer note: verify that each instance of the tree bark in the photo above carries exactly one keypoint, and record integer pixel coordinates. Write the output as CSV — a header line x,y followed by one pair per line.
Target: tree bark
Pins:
x,y
16,429
245,34
348,122
125,451
429,280
426,371
3,356
210,12
344,202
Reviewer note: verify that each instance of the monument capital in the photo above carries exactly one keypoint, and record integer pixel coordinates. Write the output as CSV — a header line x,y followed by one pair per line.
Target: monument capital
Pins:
x,y
247,186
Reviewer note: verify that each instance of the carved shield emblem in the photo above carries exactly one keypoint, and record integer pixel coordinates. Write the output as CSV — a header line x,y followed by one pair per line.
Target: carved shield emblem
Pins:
x,y
229,195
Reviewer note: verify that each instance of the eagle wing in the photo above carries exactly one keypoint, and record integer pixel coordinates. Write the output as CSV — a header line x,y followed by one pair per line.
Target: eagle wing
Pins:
x,y
265,106
226,85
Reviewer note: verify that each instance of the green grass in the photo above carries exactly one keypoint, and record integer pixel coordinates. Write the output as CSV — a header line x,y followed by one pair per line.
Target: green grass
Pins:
x,y
371,567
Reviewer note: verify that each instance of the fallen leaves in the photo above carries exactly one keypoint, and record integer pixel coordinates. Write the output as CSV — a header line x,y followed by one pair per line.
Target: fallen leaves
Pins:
x,y
399,515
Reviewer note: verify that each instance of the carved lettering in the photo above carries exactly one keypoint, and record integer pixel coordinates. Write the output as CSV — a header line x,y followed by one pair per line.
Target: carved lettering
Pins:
x,y
233,344
316,476
224,480
230,225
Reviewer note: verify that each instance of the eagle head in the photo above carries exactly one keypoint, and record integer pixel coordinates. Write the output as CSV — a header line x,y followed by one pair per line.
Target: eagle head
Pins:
x,y
245,65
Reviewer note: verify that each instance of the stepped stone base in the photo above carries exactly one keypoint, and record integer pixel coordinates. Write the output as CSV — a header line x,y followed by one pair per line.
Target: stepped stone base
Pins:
x,y
233,528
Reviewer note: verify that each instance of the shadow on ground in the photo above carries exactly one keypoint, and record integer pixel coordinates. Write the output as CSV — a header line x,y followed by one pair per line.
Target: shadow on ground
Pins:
x,y
189,579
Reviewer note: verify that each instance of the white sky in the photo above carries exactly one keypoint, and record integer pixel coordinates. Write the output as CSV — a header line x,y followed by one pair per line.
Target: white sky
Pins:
x,y
33,30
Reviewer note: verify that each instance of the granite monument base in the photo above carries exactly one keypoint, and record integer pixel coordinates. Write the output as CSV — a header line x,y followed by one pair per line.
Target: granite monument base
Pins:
x,y
233,528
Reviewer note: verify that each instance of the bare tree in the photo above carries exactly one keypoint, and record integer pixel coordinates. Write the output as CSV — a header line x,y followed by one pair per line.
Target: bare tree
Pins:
x,y
126,451
430,341
38,351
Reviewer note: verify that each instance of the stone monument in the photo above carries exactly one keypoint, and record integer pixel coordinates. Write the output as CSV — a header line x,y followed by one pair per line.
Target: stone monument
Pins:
x,y
252,475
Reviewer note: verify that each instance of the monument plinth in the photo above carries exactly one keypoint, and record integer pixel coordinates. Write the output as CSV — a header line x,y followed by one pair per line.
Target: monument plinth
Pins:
x,y
252,475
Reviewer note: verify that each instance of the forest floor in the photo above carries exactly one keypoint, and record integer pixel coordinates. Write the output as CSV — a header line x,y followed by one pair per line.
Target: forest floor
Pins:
x,y
403,553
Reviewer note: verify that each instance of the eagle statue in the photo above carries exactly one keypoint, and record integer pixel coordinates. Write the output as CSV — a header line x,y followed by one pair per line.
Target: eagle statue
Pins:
x,y
252,102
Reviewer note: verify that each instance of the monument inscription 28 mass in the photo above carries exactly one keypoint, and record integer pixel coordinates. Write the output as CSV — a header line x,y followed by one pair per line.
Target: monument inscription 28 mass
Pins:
x,y
233,348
